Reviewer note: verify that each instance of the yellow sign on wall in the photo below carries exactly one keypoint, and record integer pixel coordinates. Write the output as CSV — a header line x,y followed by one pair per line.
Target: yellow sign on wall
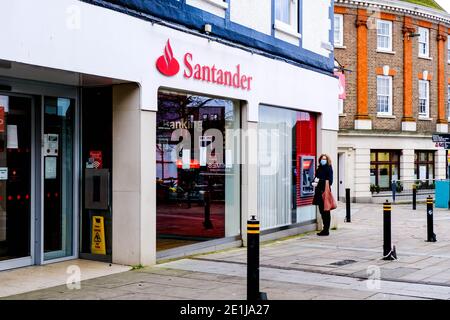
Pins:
x,y
98,235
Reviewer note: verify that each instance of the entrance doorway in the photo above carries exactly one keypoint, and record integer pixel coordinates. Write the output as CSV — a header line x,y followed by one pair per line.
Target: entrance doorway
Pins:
x,y
16,245
38,189
341,176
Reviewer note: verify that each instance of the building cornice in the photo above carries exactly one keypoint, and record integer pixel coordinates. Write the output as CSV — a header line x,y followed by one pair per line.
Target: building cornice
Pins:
x,y
400,7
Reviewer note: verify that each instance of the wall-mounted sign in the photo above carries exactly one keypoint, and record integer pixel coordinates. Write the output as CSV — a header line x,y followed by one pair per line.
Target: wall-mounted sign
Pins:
x,y
169,66
97,159
51,143
341,85
3,173
50,167
440,137
12,140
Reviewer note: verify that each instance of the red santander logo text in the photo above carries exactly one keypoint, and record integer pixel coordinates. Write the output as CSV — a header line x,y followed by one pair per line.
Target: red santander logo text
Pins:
x,y
168,65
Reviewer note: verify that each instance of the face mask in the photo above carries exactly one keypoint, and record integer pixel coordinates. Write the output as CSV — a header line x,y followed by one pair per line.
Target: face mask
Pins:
x,y
323,162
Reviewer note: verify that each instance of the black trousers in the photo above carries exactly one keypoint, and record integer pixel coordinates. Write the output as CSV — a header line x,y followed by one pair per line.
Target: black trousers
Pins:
x,y
326,218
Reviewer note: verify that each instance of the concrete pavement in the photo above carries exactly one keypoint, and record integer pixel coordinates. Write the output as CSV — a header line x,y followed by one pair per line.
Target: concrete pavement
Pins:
x,y
345,265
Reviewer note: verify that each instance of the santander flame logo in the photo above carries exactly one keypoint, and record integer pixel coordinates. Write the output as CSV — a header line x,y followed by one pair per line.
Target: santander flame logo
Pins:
x,y
167,64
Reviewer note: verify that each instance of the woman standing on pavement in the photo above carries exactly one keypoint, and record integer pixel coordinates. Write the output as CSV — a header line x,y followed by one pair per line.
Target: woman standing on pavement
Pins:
x,y
324,172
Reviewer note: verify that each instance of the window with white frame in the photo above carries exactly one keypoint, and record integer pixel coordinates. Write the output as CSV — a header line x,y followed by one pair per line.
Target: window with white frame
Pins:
x,y
424,42
341,106
384,35
448,50
424,98
283,11
448,102
338,30
384,95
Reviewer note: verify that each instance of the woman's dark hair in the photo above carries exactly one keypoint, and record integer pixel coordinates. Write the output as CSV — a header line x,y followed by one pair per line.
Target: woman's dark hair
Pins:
x,y
326,156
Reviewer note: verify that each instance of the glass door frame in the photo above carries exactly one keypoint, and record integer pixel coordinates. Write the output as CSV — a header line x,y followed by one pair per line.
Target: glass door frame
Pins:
x,y
38,91
69,93
28,260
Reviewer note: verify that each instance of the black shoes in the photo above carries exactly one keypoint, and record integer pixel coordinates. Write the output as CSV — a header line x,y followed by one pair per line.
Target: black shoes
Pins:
x,y
323,233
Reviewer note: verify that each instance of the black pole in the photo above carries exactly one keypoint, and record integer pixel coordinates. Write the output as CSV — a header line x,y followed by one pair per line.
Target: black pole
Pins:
x,y
431,237
414,197
253,293
388,251
348,216
207,223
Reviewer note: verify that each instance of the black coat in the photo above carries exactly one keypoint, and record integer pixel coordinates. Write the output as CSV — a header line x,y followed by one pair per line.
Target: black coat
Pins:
x,y
323,173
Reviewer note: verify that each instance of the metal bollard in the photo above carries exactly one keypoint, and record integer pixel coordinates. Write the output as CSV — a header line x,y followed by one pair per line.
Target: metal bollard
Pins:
x,y
388,252
348,215
253,293
431,236
414,197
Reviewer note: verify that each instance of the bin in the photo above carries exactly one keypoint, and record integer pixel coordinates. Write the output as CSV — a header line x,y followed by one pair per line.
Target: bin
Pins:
x,y
442,192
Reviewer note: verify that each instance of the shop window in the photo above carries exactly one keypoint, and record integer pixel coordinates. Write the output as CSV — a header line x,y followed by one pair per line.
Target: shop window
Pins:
x,y
384,167
384,35
424,166
286,166
198,171
338,30
424,98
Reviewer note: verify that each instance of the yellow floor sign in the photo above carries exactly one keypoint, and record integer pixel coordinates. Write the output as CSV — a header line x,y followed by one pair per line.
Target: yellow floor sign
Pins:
x,y
98,235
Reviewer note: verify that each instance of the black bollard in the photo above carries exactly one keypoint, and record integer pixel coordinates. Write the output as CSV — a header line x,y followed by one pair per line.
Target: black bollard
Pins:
x,y
253,293
388,252
348,215
431,237
414,197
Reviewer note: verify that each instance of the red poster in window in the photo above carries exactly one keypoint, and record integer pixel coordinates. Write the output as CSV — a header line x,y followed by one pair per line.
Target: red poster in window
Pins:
x,y
97,159
2,119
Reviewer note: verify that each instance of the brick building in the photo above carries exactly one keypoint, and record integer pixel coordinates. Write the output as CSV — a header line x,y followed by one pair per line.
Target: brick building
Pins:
x,y
396,59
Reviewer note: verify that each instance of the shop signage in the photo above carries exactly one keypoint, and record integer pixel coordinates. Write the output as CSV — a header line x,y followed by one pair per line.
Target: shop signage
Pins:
x,y
342,92
169,66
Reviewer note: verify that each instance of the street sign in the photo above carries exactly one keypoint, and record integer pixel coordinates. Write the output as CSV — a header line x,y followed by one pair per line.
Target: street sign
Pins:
x,y
445,145
441,137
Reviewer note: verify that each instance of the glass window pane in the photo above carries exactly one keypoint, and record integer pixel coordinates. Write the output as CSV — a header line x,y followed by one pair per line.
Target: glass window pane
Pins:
x,y
282,10
423,156
197,184
394,157
15,197
372,156
58,177
383,175
373,173
383,156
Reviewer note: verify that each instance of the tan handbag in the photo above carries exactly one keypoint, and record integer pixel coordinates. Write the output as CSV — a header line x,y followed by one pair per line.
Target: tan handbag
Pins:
x,y
328,200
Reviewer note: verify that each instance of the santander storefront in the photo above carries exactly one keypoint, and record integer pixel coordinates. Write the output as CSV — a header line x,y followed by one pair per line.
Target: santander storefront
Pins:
x,y
197,169
169,66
